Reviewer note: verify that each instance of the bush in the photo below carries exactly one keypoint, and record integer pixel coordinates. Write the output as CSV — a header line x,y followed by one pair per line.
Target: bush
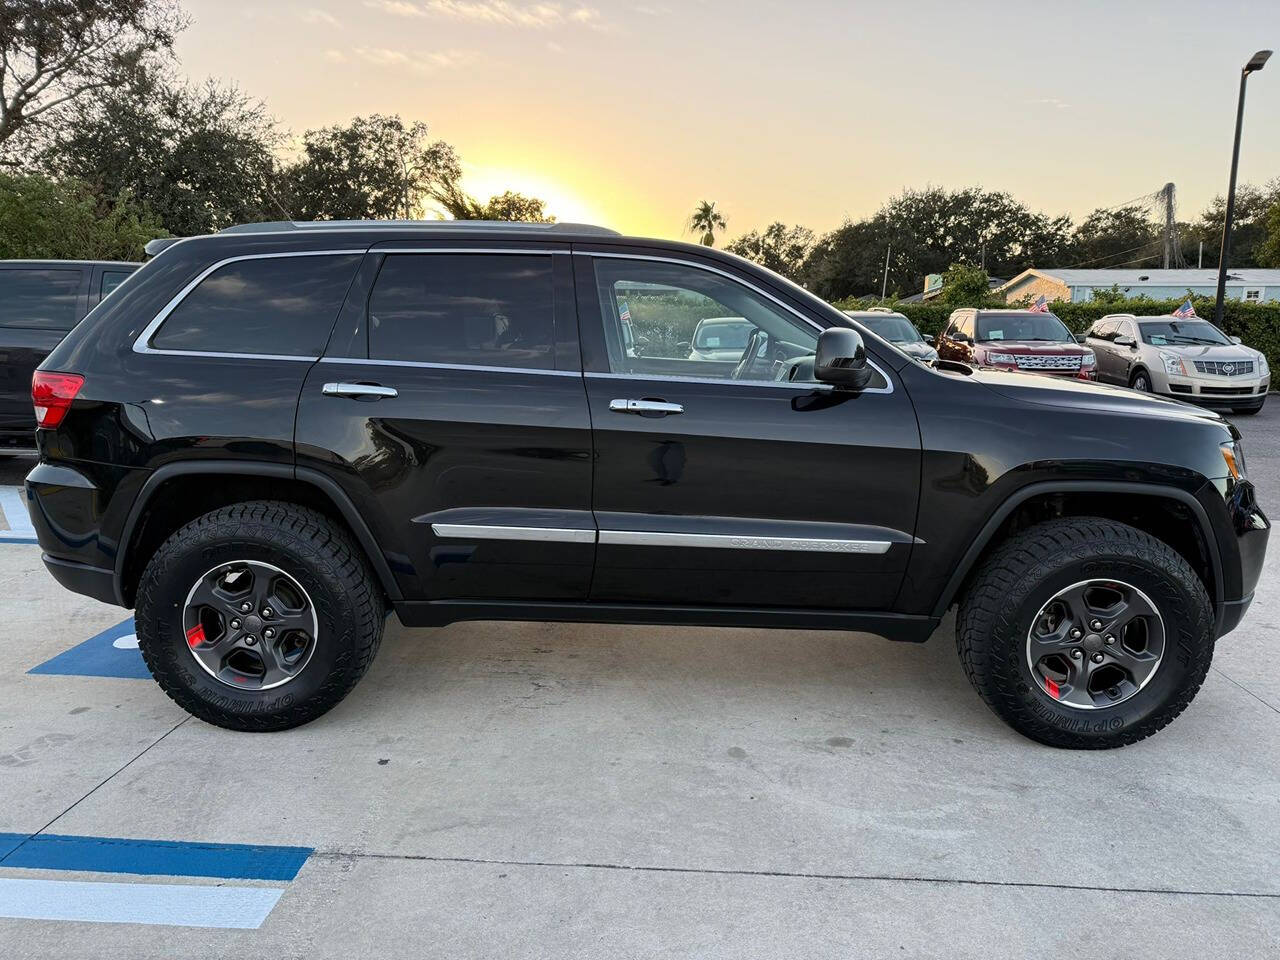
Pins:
x,y
43,219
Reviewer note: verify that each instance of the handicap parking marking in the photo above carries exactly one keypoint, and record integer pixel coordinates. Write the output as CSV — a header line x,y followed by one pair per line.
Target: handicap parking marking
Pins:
x,y
111,653
15,517
170,904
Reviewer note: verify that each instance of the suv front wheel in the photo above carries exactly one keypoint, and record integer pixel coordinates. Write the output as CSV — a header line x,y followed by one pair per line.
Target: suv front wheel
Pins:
x,y
258,616
1086,633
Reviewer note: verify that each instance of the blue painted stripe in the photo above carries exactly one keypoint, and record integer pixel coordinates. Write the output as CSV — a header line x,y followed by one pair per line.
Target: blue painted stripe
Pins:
x,y
227,861
10,842
180,905
99,656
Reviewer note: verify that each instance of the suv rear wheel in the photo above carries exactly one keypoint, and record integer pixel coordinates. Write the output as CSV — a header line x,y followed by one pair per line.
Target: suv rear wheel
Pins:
x,y
1086,633
258,616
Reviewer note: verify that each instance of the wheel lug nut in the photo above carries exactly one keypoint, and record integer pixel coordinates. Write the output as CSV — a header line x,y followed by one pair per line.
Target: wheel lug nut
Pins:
x,y
246,607
235,624
268,633
1076,634
1096,625
1076,654
266,611
1108,639
1097,657
251,640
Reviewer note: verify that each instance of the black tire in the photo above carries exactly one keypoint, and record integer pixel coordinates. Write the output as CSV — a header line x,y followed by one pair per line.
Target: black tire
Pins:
x,y
1140,381
1007,594
348,604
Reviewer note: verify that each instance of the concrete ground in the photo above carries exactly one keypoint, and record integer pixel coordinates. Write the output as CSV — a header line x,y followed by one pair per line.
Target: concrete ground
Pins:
x,y
520,790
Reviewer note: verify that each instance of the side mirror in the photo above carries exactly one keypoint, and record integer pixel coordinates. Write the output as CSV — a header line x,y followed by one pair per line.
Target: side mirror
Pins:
x,y
841,359
1235,340
1081,337
1125,342
928,337
960,337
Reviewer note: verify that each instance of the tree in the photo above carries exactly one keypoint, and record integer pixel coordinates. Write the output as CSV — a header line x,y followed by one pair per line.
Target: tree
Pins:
x,y
705,221
781,248
1249,225
53,52
965,285
199,157
1124,236
1269,249
509,206
375,167
43,219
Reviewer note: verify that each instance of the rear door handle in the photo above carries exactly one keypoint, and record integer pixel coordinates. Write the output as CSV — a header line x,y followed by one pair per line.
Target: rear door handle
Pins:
x,y
645,406
373,391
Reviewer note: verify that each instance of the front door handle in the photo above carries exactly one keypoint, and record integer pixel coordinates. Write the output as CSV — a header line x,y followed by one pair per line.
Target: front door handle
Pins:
x,y
645,406
373,391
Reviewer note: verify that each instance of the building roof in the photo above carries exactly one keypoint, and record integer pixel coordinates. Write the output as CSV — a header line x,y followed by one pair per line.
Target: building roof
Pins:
x,y
1191,277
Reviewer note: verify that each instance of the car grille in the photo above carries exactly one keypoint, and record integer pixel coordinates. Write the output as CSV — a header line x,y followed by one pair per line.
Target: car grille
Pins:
x,y
1224,368
1041,361
1226,391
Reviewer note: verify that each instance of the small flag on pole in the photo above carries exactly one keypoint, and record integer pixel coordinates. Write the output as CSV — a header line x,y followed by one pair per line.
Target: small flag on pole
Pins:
x,y
1186,310
626,312
1041,305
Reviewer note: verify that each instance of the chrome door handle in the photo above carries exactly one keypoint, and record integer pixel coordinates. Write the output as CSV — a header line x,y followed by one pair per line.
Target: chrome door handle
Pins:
x,y
645,406
372,390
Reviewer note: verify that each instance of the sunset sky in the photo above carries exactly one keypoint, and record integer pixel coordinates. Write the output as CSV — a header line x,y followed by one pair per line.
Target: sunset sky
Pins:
x,y
626,114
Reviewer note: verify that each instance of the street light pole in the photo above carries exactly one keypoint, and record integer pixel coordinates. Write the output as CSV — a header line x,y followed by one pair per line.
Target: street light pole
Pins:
x,y
1256,63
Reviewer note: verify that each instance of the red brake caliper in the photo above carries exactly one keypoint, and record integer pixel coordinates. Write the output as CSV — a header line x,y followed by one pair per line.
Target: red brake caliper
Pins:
x,y
1051,685
195,636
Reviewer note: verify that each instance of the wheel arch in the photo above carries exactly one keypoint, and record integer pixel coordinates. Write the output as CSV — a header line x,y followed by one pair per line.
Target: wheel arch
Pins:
x,y
1138,368
1074,499
146,527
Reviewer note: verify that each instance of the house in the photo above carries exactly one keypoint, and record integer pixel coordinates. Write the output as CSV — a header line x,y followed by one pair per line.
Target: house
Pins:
x,y
933,287
1246,283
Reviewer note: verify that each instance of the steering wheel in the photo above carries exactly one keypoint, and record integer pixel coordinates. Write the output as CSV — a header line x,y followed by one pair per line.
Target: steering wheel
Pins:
x,y
757,346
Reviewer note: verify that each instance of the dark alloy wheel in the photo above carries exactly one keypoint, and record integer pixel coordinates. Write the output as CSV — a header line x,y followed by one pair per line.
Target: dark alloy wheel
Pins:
x,y
258,616
1086,633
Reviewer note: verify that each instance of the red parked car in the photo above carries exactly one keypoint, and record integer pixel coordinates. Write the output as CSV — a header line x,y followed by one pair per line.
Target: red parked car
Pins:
x,y
1020,340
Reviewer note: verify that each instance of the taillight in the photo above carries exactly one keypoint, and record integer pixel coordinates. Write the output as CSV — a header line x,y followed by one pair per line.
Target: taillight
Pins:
x,y
52,393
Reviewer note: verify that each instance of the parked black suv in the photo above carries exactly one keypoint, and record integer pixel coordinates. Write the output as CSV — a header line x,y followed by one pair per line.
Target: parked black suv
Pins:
x,y
40,300
269,436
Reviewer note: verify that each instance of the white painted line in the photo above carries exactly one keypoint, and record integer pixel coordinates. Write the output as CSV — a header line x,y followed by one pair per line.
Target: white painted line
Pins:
x,y
177,905
14,508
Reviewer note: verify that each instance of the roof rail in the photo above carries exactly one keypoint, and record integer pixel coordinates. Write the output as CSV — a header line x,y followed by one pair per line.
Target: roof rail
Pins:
x,y
461,226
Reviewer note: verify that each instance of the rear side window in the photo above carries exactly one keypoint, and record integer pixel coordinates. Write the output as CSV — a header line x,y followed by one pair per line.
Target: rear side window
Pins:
x,y
39,299
493,310
110,280
272,306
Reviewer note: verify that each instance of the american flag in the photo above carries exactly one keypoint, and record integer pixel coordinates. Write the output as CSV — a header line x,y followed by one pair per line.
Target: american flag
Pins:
x,y
1041,305
1186,310
626,312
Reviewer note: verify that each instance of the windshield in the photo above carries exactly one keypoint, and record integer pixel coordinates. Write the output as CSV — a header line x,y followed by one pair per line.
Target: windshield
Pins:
x,y
722,334
1023,326
1171,333
893,328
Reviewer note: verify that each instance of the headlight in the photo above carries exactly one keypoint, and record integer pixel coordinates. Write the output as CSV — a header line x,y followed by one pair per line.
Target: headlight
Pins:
x,y
1005,359
1088,361
1173,364
1263,369
1233,454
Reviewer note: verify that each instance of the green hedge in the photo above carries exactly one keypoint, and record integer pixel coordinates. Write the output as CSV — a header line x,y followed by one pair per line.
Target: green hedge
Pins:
x,y
1258,325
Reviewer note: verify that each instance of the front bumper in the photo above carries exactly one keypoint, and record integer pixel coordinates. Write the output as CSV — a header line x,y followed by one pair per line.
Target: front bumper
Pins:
x,y
1220,391
1243,546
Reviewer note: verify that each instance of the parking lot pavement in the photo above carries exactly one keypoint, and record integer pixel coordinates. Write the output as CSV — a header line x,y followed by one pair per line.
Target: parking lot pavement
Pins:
x,y
562,790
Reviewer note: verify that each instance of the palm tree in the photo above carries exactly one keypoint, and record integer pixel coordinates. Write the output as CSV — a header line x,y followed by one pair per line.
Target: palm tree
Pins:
x,y
706,220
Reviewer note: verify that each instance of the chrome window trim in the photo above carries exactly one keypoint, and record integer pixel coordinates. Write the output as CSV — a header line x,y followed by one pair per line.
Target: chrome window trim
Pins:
x,y
482,531
807,385
750,286
522,251
451,366
735,541
142,344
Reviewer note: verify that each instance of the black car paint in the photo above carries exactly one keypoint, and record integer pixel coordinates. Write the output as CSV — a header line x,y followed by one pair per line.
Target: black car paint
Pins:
x,y
932,463
22,349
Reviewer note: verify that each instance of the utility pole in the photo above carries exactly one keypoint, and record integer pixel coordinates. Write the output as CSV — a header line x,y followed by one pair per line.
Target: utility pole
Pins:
x,y
1167,192
884,287
1256,62
1200,261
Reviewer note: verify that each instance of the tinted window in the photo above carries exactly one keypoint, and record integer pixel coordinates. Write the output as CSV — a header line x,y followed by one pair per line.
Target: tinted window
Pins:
x,y
1165,333
279,306
895,329
44,299
660,319
1022,326
493,310
1104,329
110,280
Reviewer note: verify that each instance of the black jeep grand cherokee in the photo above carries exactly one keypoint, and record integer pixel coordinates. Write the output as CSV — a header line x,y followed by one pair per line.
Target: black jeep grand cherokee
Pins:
x,y
269,436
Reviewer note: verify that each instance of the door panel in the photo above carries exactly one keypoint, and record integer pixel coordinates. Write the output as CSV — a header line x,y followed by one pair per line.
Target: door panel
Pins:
x,y
475,476
759,493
